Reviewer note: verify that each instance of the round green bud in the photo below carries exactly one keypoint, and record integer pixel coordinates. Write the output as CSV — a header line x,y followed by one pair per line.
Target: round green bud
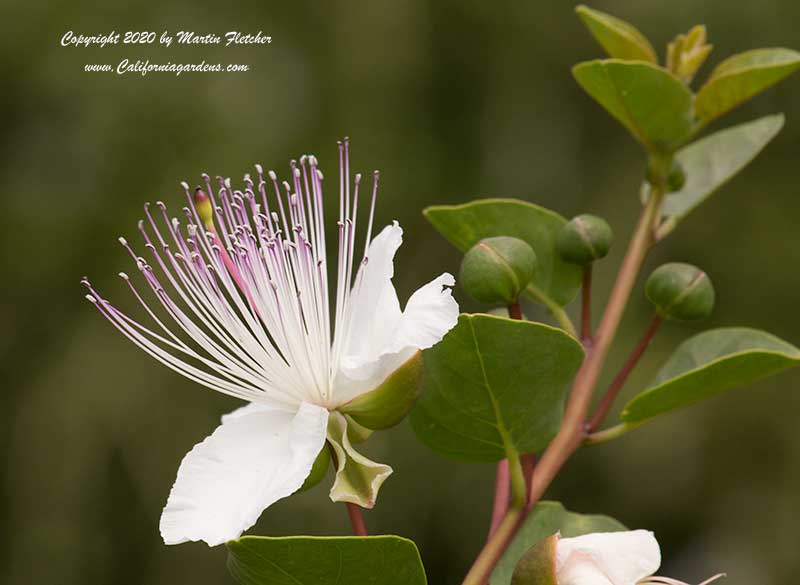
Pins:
x,y
497,270
676,178
680,291
584,239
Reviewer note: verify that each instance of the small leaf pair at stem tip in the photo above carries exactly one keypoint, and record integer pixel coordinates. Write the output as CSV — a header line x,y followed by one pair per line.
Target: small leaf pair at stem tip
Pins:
x,y
687,53
654,102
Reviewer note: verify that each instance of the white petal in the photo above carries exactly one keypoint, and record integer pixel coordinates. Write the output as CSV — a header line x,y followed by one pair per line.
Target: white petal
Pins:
x,y
376,309
429,314
249,408
607,558
382,338
256,457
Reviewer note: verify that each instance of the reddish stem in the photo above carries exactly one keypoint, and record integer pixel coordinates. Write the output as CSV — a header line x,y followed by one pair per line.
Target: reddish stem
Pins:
x,y
515,311
619,380
502,495
586,306
356,519
528,465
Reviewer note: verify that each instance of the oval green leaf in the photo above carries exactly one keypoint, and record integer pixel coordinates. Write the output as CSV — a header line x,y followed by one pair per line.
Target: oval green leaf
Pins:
x,y
556,282
548,518
710,162
341,560
494,388
620,39
648,100
710,363
742,76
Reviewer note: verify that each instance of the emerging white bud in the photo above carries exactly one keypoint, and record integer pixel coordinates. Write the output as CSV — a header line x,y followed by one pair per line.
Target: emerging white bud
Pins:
x,y
601,558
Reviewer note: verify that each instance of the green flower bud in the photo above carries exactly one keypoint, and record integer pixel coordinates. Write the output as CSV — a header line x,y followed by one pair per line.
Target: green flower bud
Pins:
x,y
676,178
497,270
318,469
538,565
390,402
584,239
680,291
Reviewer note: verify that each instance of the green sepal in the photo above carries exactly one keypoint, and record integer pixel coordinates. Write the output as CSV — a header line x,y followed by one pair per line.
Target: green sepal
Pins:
x,y
358,479
318,470
392,400
357,433
618,38
538,565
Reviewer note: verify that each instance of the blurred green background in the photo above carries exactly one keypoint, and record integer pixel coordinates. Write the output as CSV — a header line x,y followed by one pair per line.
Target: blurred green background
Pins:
x,y
452,101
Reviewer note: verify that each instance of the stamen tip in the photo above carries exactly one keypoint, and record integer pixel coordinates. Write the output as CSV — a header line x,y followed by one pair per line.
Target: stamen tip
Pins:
x,y
122,241
273,176
185,185
259,169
